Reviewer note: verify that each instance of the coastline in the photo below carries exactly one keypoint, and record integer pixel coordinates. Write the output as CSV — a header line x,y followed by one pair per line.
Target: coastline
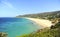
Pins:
x,y
41,22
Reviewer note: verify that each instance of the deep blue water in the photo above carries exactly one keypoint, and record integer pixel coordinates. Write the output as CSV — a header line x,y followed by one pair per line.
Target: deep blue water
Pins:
x,y
17,26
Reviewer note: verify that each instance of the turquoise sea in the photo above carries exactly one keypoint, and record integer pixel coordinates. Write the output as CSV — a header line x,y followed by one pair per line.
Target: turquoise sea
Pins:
x,y
17,26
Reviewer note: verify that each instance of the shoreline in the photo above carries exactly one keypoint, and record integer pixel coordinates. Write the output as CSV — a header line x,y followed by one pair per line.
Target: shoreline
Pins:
x,y
41,22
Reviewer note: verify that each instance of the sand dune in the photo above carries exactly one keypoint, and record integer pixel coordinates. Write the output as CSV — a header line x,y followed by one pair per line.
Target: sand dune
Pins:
x,y
41,22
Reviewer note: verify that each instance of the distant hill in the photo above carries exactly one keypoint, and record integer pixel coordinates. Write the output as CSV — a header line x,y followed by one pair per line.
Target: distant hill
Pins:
x,y
42,15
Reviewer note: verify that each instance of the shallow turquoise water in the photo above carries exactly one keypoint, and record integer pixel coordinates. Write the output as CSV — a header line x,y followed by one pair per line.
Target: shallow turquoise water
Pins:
x,y
17,26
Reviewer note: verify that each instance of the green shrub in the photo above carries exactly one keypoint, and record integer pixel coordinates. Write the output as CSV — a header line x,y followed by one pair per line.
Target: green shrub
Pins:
x,y
53,32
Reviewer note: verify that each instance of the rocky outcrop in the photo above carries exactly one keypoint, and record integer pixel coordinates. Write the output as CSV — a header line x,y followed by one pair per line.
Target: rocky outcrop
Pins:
x,y
3,34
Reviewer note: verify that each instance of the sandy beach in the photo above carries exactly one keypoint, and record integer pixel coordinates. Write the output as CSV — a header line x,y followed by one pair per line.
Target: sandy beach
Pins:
x,y
41,22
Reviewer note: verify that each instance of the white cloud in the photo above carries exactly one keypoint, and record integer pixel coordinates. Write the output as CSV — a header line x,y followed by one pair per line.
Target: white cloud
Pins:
x,y
8,4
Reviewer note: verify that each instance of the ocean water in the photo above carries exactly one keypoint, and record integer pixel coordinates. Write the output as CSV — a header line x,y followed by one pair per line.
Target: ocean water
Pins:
x,y
17,26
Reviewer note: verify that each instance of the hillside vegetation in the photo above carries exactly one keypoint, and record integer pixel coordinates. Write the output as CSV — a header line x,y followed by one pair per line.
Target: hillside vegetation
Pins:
x,y
53,31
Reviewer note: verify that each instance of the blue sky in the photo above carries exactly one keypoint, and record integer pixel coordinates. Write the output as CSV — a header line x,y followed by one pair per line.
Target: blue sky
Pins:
x,y
12,8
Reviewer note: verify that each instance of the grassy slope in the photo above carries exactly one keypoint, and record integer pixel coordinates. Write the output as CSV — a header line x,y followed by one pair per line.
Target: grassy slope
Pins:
x,y
52,32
